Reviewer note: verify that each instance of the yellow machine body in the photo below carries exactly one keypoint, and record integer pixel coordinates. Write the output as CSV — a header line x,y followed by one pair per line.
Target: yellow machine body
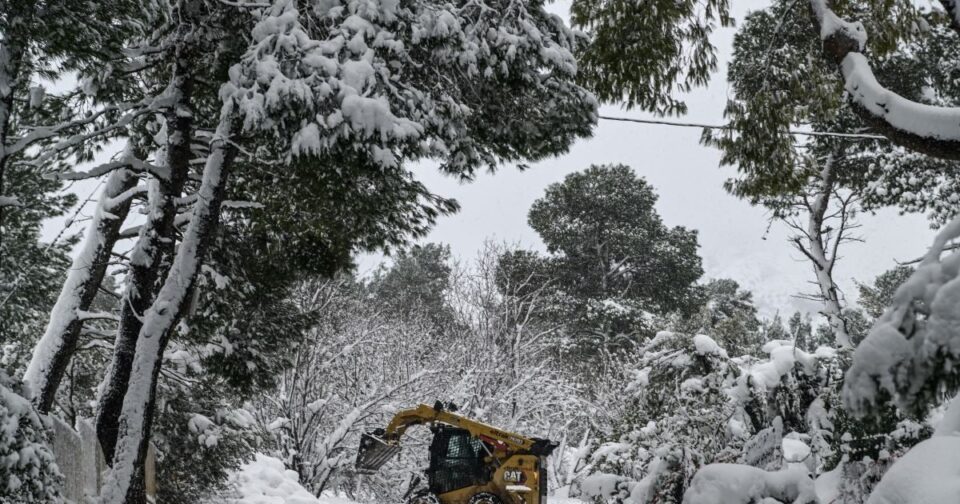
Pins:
x,y
506,465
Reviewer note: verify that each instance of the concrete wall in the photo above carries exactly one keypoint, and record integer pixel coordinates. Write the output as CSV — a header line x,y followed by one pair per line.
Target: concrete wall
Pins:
x,y
81,461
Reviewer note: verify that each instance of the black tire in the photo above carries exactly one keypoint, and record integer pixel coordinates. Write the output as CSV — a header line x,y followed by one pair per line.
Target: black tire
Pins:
x,y
485,498
423,498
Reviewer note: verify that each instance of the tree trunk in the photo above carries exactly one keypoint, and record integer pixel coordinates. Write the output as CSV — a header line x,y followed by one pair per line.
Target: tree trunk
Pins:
x,y
150,256
125,480
823,261
52,353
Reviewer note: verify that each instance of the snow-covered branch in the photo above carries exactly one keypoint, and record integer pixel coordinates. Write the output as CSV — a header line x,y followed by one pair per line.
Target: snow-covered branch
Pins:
x,y
127,162
933,130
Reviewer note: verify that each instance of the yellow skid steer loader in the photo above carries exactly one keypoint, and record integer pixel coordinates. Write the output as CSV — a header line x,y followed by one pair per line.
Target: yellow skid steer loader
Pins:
x,y
470,462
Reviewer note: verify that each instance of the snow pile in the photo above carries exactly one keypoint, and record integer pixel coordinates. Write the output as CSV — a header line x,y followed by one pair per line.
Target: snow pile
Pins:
x,y
794,448
930,472
265,480
927,474
740,484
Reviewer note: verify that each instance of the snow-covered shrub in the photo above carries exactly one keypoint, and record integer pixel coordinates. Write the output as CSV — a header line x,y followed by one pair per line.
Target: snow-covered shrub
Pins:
x,y
200,439
772,420
28,472
569,464
679,417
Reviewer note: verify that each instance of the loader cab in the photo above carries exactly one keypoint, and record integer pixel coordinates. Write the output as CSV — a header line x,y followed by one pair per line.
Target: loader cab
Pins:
x,y
456,460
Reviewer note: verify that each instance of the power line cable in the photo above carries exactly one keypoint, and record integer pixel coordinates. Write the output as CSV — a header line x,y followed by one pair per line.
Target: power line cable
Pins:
x,y
661,122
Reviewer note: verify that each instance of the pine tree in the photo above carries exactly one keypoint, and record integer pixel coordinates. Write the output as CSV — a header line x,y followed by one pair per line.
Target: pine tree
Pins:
x,y
612,263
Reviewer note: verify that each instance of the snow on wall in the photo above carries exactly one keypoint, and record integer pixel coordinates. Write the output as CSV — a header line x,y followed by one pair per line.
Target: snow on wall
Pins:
x,y
79,458
67,449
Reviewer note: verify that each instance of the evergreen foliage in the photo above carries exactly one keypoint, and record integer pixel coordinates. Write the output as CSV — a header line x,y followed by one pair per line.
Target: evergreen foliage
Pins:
x,y
612,265
648,60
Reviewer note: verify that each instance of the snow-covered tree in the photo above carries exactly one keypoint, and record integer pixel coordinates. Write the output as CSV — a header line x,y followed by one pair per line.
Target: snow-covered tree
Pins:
x,y
357,364
40,42
612,264
877,297
677,420
416,283
213,104
906,357
728,314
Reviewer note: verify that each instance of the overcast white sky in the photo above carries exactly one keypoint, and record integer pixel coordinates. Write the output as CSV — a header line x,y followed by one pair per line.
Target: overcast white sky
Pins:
x,y
734,236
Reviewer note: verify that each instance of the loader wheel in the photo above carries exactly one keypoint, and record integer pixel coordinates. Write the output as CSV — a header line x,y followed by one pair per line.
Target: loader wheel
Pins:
x,y
485,498
424,498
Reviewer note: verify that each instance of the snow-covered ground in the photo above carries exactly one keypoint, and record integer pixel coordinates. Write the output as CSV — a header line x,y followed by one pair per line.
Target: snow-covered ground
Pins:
x,y
266,481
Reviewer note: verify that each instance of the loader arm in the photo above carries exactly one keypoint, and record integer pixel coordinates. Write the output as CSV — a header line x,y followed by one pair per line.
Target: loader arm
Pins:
x,y
424,414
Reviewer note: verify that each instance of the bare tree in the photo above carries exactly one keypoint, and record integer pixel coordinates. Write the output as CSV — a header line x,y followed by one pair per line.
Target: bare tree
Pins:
x,y
355,366
823,219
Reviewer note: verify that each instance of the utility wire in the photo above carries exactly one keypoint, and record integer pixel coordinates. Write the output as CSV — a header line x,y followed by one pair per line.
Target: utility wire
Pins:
x,y
855,136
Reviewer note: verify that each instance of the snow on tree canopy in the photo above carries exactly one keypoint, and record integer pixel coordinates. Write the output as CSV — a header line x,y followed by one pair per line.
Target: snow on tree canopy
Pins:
x,y
705,345
911,352
500,84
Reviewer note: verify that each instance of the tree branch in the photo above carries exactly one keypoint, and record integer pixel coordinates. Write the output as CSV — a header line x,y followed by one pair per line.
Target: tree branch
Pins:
x,y
932,130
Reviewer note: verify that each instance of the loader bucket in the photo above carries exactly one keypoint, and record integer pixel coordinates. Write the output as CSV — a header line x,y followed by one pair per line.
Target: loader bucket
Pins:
x,y
373,453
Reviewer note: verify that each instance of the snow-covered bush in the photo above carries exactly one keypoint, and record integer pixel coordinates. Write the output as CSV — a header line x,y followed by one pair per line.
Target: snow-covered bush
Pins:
x,y
772,423
28,472
678,418
200,439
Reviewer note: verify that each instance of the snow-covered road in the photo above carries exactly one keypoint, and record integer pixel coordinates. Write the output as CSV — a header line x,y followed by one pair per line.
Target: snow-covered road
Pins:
x,y
266,481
